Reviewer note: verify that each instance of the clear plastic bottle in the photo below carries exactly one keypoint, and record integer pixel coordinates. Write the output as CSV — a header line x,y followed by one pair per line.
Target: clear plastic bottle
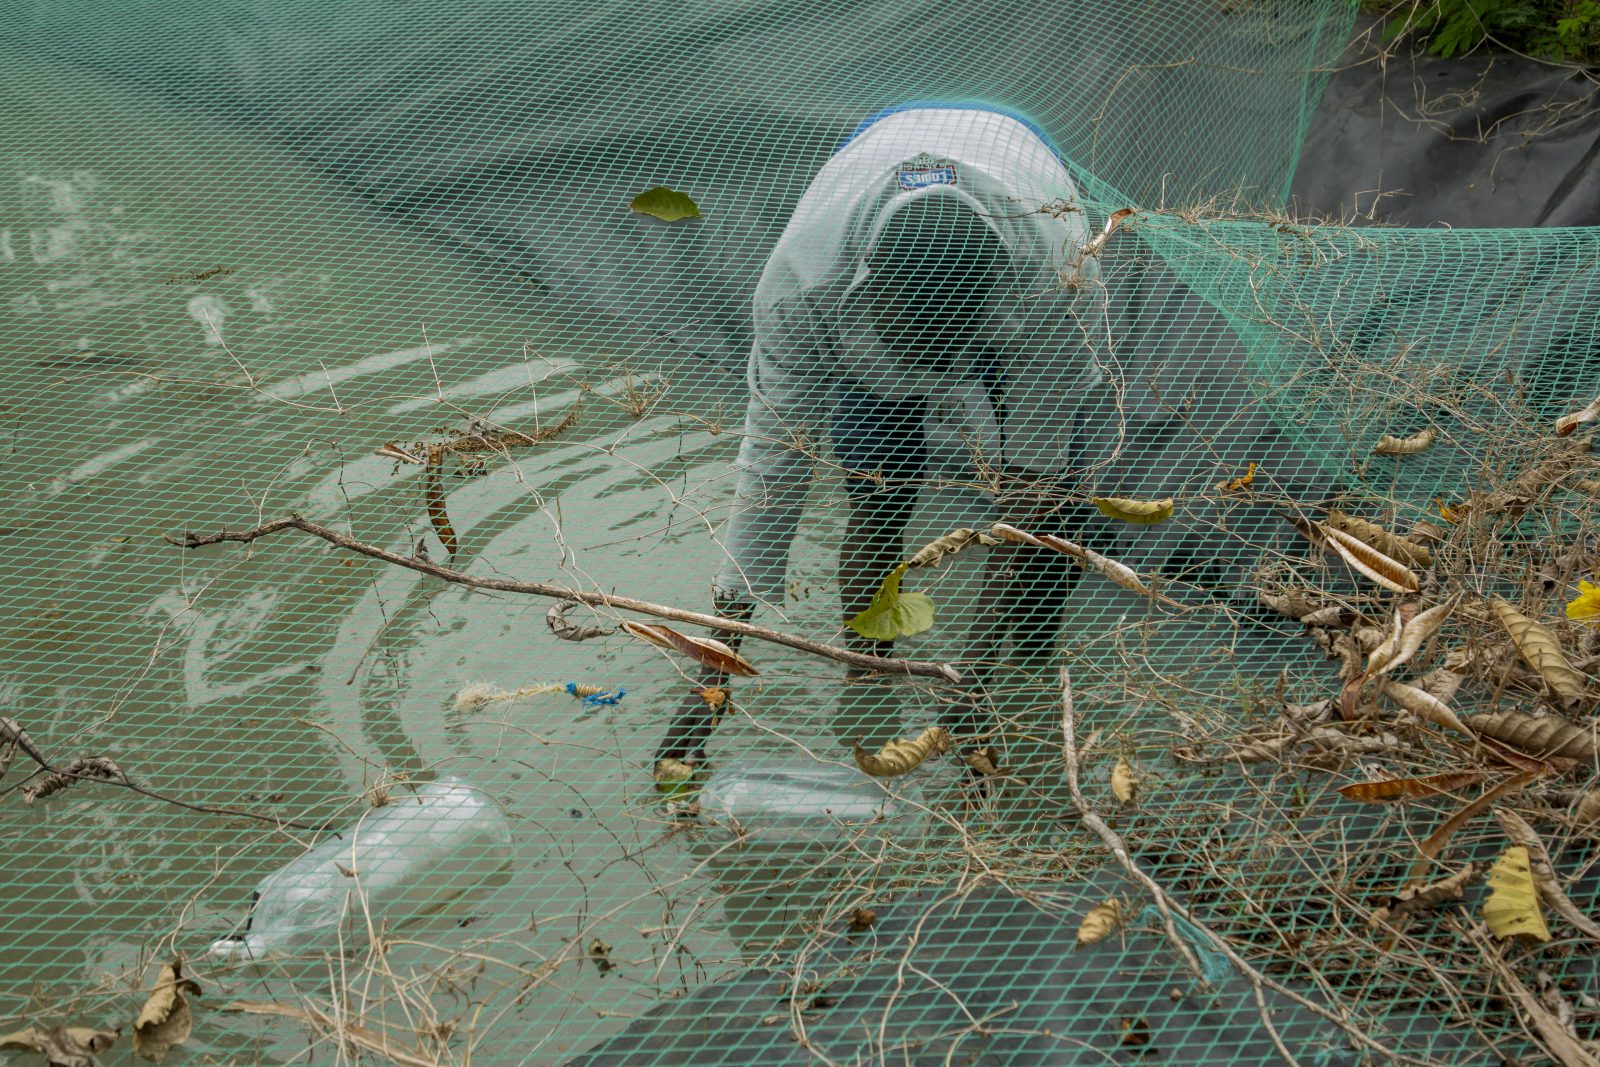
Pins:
x,y
803,801
414,856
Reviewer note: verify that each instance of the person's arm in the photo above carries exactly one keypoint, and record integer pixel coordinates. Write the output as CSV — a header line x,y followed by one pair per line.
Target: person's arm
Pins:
x,y
791,401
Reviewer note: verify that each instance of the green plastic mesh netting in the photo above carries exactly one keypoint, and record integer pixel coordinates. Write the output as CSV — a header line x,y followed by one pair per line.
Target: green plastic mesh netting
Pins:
x,y
385,290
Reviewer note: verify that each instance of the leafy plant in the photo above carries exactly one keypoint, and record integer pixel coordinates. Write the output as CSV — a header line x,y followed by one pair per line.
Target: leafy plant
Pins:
x,y
1565,31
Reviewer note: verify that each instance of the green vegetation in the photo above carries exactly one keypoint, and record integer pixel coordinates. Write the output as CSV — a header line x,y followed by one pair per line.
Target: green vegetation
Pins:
x,y
1565,31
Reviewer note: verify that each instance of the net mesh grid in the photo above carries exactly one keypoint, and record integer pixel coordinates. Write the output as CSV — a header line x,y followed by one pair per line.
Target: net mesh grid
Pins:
x,y
242,258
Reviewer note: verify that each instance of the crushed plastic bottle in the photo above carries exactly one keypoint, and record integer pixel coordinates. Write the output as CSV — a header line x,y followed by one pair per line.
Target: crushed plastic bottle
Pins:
x,y
422,851
802,801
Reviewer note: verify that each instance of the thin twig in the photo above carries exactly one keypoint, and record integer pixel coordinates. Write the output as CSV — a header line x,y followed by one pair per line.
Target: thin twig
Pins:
x,y
942,671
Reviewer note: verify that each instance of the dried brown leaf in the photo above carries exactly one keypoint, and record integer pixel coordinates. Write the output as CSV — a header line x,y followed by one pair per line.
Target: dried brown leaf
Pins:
x,y
567,630
1541,650
1538,736
600,954
1425,705
1100,922
93,767
165,1020
862,920
1586,811
1399,548
955,541
1415,899
903,756
1119,573
1410,788
703,650
1362,557
1124,783
1573,419
1405,446
64,1046
1137,512
434,499
985,761
1096,246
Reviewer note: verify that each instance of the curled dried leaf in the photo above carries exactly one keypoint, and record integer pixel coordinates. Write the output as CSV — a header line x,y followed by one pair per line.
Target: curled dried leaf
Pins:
x,y
1363,558
703,650
1586,810
1408,639
903,756
165,1020
1100,922
1426,533
1512,909
1541,736
985,761
1124,783
64,1046
99,768
1234,485
862,920
1295,603
433,497
1096,246
1425,705
715,696
1402,549
1406,446
1541,651
955,541
1573,419
1137,512
1410,788
1454,514
1414,899
1119,573
567,630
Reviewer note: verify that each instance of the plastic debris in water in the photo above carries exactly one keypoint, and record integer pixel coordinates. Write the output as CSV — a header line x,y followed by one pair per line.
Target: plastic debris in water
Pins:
x,y
596,695
428,847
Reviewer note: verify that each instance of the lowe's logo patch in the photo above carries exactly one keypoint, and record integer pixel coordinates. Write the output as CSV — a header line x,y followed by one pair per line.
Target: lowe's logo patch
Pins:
x,y
925,170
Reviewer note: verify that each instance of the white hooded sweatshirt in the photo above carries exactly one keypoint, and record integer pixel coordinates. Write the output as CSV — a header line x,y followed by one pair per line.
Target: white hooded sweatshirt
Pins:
x,y
813,340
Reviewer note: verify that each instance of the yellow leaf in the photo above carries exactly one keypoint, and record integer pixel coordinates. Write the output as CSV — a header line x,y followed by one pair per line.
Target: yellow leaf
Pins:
x,y
903,757
1101,922
1138,512
1233,485
668,205
1124,783
165,1020
1512,909
1587,604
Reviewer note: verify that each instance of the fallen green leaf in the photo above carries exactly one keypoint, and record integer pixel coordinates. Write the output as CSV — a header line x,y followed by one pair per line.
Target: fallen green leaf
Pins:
x,y
892,613
668,205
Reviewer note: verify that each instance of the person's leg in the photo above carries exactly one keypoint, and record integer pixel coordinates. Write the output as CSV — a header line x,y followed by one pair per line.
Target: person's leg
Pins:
x,y
1024,594
880,445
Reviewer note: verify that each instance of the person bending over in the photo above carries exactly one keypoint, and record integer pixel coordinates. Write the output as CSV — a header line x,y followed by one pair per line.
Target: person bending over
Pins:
x,y
922,292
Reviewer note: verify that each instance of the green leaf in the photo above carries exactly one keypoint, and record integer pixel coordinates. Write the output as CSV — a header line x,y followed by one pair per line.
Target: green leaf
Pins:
x,y
668,205
892,613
